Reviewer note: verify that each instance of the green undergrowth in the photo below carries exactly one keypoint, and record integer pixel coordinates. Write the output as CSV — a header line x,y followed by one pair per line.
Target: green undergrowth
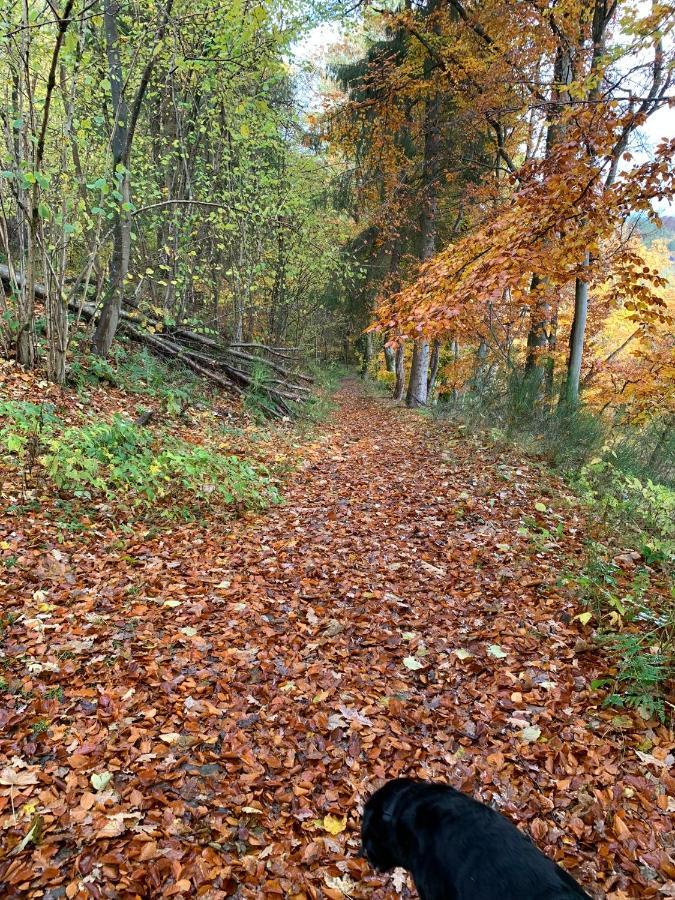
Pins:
x,y
138,372
317,406
624,480
149,471
320,404
628,600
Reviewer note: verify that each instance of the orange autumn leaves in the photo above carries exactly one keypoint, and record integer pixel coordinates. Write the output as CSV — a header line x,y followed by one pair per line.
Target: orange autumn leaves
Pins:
x,y
560,209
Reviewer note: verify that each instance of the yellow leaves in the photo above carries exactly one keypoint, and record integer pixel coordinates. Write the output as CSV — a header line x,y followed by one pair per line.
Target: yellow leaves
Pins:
x,y
584,618
333,825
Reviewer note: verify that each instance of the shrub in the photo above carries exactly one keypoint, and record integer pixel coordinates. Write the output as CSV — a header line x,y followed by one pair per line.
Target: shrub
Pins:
x,y
138,372
123,460
24,426
645,509
256,400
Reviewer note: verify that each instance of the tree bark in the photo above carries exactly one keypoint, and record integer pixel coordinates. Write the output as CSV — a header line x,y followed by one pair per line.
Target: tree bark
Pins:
x,y
433,370
367,352
399,388
577,339
119,263
418,385
122,140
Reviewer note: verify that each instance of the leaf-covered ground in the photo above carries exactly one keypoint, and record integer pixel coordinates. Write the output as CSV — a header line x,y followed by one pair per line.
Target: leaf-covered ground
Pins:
x,y
201,711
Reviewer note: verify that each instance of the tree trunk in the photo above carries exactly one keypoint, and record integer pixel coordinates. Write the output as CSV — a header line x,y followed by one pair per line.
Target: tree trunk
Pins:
x,y
390,358
25,300
552,344
119,264
479,373
57,307
537,337
399,388
540,315
367,352
433,371
577,339
417,385
122,140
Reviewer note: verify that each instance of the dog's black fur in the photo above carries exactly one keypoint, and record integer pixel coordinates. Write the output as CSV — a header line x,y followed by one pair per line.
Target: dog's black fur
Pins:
x,y
457,848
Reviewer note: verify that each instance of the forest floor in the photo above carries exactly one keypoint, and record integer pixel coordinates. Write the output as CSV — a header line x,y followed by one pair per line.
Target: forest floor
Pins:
x,y
202,709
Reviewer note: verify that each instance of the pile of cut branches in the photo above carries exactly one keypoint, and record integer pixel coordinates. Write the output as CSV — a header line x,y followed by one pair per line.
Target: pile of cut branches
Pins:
x,y
272,372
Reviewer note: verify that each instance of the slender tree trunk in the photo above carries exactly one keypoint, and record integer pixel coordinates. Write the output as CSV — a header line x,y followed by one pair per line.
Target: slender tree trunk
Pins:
x,y
577,339
390,359
367,352
122,140
57,306
563,74
119,263
537,337
418,385
399,388
479,373
550,361
433,370
25,340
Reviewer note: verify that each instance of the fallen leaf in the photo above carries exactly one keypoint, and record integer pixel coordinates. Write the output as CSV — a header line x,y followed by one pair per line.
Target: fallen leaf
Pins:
x,y
333,825
412,663
100,780
18,779
530,734
342,883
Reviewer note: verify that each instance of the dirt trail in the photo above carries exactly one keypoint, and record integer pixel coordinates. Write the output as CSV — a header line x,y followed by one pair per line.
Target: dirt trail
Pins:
x,y
386,619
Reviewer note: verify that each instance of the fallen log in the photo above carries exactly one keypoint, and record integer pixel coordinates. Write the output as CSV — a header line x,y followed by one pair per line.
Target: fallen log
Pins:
x,y
229,367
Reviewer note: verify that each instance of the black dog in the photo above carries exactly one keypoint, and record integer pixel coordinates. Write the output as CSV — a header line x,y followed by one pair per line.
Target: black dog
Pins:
x,y
457,848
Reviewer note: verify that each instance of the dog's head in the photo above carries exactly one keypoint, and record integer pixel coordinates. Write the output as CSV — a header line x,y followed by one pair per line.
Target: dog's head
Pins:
x,y
378,826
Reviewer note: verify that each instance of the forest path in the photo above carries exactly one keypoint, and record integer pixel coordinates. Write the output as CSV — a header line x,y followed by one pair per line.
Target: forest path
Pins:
x,y
246,686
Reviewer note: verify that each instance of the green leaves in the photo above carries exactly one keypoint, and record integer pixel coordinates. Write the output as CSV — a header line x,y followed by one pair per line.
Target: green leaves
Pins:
x,y
100,780
530,734
412,663
119,458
